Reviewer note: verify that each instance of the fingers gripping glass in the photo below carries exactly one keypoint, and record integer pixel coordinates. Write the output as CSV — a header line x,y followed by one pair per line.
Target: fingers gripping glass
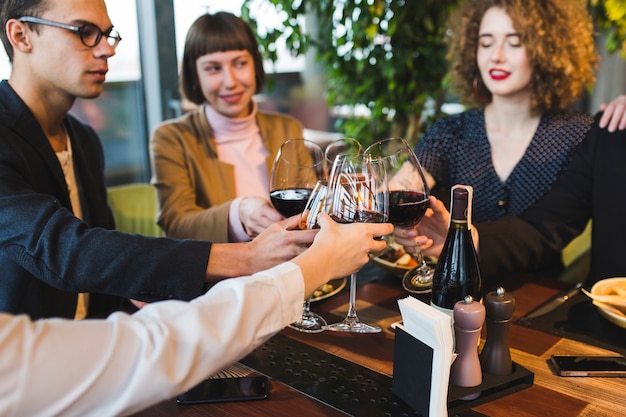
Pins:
x,y
90,34
408,201
357,192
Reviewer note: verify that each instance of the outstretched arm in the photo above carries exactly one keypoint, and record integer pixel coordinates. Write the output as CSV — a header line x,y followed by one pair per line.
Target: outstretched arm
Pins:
x,y
126,363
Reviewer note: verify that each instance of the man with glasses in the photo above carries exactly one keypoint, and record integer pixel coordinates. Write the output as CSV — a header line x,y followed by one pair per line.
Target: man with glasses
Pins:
x,y
125,363
90,35
57,256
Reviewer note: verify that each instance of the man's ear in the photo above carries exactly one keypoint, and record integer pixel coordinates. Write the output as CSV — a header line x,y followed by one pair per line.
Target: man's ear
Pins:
x,y
18,35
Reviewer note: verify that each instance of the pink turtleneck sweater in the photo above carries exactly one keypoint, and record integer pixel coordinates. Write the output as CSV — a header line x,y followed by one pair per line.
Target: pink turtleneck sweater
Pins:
x,y
239,143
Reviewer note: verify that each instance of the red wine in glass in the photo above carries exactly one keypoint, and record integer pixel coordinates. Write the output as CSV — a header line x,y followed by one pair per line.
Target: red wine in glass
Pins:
x,y
408,201
406,208
291,201
295,172
357,192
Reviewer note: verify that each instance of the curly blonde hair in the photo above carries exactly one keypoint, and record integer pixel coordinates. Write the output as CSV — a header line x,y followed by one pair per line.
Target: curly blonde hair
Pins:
x,y
559,40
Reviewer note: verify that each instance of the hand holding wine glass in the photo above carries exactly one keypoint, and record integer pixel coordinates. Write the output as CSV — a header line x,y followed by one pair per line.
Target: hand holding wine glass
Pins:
x,y
357,192
311,322
408,201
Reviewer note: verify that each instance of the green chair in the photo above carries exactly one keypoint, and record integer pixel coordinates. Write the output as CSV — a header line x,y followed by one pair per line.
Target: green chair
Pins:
x,y
577,257
134,208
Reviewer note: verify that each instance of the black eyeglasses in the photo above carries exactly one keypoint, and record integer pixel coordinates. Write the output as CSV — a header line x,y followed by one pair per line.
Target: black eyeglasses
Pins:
x,y
90,34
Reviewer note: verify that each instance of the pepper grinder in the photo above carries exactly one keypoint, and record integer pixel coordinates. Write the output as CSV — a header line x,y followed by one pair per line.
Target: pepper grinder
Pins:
x,y
469,317
495,357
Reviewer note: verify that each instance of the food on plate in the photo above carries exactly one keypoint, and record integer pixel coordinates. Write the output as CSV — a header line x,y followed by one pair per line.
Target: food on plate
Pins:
x,y
324,289
396,254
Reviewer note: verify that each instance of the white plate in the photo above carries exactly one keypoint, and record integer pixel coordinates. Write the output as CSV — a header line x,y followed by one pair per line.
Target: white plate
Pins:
x,y
603,287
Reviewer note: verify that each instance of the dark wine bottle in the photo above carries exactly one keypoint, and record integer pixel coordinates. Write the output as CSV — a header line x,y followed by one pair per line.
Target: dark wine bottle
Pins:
x,y
457,273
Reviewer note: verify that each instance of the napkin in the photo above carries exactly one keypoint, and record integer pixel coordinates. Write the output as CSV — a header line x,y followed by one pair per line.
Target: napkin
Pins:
x,y
434,329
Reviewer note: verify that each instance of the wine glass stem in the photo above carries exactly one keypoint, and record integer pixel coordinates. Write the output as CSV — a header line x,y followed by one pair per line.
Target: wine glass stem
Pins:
x,y
417,254
352,307
419,257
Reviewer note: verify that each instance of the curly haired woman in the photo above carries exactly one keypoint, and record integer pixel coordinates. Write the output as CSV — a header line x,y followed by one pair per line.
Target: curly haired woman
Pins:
x,y
520,63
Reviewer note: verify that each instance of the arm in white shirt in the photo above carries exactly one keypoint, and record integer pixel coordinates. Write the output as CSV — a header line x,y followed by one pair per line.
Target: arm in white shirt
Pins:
x,y
126,363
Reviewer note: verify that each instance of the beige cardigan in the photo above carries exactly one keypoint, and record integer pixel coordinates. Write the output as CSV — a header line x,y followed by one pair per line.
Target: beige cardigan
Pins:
x,y
194,189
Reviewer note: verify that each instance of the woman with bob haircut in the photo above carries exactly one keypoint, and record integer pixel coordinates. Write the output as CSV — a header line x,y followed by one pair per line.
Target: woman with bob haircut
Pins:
x,y
211,166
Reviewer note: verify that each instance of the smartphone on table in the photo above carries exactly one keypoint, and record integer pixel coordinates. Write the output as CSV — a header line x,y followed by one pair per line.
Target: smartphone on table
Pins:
x,y
589,365
212,390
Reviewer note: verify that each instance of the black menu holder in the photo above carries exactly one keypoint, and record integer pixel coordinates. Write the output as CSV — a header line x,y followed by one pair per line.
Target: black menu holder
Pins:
x,y
412,371
412,377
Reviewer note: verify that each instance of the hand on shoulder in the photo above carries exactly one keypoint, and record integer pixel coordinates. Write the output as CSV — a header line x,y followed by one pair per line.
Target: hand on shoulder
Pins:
x,y
614,116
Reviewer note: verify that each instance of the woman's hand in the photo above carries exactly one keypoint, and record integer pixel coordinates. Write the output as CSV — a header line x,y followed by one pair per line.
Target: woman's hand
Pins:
x,y
257,214
614,114
430,234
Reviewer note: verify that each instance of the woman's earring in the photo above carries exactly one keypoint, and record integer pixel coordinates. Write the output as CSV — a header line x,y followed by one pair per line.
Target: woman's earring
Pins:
x,y
478,94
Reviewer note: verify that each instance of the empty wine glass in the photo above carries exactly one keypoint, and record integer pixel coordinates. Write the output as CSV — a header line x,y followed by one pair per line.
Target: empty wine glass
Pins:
x,y
311,322
357,192
408,201
343,146
298,165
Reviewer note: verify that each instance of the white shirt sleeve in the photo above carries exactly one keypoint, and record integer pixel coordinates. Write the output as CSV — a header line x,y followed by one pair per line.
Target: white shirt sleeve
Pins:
x,y
126,363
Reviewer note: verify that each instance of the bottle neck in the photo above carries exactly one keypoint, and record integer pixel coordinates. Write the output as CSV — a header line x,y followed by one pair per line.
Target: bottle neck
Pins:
x,y
460,209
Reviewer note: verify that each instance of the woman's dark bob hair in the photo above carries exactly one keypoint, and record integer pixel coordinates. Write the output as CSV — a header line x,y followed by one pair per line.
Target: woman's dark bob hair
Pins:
x,y
219,32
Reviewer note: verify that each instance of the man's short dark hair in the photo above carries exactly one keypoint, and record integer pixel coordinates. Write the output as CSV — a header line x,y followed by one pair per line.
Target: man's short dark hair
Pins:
x,y
14,9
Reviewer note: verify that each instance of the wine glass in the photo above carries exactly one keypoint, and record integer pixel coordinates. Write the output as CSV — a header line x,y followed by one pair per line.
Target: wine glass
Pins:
x,y
408,201
311,322
343,146
357,192
298,165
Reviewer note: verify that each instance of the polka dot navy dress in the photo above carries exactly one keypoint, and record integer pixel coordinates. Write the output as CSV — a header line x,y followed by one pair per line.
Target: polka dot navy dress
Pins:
x,y
455,150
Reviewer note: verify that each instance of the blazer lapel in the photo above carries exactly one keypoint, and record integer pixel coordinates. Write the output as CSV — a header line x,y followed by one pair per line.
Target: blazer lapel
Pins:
x,y
27,128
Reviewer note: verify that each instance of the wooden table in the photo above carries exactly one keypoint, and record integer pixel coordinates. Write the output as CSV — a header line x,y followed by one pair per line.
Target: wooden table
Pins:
x,y
550,395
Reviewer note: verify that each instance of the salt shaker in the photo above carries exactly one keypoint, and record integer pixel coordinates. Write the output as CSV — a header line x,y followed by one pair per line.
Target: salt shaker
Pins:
x,y
495,357
469,317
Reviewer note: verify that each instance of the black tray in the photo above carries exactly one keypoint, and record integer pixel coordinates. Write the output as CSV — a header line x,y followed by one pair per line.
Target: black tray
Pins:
x,y
354,389
578,319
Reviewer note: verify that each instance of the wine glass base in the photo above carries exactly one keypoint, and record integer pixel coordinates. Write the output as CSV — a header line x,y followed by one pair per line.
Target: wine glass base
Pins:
x,y
310,323
418,280
353,326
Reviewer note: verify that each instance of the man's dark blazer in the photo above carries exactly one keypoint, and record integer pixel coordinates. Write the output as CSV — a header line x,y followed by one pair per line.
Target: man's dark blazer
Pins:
x,y
48,256
593,186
